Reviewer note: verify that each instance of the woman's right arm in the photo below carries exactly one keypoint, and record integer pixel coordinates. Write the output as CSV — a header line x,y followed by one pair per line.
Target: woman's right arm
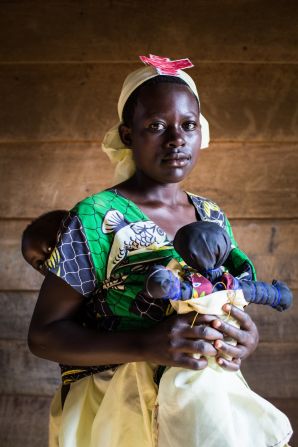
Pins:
x,y
55,335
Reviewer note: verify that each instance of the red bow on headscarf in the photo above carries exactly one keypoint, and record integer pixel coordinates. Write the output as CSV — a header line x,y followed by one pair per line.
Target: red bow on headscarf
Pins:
x,y
165,66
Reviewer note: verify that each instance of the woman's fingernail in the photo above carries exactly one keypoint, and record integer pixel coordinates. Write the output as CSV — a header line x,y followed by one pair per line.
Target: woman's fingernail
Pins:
x,y
220,361
216,323
227,307
218,344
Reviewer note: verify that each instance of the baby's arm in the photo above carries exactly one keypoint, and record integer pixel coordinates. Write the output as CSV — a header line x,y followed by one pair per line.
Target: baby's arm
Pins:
x,y
277,295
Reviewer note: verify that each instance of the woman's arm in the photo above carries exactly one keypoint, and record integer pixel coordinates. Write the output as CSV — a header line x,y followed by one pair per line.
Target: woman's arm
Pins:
x,y
55,335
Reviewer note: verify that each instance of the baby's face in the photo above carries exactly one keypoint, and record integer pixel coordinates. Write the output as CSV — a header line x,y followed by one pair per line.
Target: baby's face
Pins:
x,y
36,250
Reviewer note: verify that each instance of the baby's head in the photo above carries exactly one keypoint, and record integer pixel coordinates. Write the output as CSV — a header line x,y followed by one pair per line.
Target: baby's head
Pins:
x,y
202,245
40,237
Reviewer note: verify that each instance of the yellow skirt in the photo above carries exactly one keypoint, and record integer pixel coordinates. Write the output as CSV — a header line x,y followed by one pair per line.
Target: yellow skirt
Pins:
x,y
207,408
108,409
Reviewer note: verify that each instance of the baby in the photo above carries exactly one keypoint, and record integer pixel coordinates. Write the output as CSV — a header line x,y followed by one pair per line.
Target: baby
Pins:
x,y
40,238
205,246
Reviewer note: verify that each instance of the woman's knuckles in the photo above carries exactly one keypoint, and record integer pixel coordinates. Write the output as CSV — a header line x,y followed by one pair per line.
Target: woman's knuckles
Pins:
x,y
204,348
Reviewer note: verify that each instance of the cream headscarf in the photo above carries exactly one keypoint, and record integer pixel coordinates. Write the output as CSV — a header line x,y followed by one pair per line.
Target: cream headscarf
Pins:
x,y
112,145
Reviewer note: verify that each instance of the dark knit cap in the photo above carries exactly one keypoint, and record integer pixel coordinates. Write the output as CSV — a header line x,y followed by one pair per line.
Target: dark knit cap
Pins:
x,y
202,245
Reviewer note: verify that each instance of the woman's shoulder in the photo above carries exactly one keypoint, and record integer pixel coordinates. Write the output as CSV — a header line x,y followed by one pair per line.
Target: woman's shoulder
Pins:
x,y
208,210
106,204
201,199
97,203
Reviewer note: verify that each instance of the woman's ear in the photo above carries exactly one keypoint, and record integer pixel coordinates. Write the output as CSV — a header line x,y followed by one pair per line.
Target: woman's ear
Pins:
x,y
125,134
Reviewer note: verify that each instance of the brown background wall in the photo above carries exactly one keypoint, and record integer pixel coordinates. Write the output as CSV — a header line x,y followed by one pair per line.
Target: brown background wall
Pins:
x,y
62,65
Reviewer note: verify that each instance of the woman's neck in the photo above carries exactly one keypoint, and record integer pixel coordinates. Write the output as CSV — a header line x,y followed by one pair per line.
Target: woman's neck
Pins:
x,y
142,189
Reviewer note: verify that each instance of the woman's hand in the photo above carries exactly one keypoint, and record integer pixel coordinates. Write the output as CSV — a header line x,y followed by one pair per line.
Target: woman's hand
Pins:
x,y
247,338
174,341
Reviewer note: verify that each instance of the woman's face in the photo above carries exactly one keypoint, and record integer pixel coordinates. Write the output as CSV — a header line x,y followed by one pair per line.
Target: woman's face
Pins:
x,y
165,135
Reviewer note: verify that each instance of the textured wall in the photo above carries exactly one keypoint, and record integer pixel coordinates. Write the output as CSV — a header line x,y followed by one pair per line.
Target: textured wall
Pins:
x,y
62,65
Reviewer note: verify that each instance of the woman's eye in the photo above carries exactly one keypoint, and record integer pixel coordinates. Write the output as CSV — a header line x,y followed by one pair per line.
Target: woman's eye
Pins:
x,y
155,127
190,125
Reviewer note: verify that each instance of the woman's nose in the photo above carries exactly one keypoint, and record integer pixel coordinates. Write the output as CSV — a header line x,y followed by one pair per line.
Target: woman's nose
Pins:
x,y
174,138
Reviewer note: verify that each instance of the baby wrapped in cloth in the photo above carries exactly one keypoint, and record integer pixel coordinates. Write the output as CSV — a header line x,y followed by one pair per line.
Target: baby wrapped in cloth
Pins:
x,y
213,407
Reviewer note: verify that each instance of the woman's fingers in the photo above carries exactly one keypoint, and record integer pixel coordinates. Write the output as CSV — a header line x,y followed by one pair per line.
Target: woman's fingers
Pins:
x,y
190,362
201,331
196,319
201,347
194,326
242,317
185,336
231,331
207,335
229,356
246,336
227,350
229,365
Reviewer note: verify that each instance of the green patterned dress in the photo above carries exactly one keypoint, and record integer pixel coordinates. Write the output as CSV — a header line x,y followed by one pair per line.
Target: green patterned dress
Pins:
x,y
105,248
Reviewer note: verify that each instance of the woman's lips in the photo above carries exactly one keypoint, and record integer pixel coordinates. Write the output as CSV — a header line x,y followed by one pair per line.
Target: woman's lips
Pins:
x,y
176,159
176,156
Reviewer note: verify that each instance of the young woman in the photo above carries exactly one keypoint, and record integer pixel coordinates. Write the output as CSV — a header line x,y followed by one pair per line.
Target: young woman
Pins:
x,y
106,246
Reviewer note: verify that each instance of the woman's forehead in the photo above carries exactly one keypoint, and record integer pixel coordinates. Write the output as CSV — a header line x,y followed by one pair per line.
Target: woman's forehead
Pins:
x,y
164,95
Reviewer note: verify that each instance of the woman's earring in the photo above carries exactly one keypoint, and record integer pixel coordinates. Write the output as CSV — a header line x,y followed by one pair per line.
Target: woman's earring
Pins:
x,y
49,249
